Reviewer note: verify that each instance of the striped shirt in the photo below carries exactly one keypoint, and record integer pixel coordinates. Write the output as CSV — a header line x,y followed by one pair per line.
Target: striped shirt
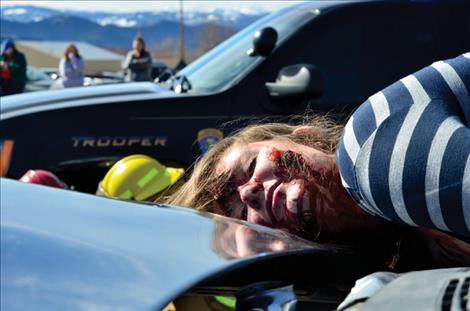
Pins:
x,y
405,153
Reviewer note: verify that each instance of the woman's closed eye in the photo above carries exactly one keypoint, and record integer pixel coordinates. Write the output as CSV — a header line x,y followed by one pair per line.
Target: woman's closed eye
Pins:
x,y
251,168
238,211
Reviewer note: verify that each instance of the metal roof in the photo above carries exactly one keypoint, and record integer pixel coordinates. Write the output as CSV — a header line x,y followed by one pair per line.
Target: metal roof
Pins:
x,y
87,50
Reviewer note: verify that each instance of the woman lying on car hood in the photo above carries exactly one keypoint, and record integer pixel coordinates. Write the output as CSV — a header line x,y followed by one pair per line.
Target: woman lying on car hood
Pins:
x,y
400,178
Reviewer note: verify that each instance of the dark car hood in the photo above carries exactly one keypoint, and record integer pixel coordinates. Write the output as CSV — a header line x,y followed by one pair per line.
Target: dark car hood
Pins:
x,y
67,250
14,105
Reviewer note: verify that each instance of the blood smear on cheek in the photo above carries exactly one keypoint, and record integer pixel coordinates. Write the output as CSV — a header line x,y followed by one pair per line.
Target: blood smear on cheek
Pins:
x,y
274,155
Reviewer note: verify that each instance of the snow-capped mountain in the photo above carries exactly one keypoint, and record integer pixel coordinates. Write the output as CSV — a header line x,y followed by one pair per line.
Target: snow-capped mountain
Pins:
x,y
116,30
225,17
26,14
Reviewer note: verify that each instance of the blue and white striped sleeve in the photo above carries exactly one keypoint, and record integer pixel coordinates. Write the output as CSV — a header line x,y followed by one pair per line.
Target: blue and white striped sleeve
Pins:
x,y
405,153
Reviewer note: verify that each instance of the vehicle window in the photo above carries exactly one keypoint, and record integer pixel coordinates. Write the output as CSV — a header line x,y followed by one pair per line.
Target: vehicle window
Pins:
x,y
360,50
398,44
454,29
335,46
336,49
34,74
229,60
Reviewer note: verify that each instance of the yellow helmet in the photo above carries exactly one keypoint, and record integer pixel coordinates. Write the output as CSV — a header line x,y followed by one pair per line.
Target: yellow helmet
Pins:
x,y
137,177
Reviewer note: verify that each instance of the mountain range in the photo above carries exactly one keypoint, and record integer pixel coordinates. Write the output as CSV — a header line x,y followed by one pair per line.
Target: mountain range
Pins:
x,y
116,30
227,17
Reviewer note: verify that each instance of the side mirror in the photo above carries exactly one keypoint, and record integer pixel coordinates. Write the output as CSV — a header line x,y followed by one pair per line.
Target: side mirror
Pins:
x,y
300,80
264,42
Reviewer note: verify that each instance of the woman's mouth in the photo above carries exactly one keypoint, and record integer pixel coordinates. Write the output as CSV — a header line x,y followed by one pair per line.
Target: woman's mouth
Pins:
x,y
269,203
278,204
287,202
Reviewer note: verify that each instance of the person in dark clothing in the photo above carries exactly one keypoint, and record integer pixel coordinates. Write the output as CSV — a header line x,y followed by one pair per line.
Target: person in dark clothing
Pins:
x,y
138,62
13,69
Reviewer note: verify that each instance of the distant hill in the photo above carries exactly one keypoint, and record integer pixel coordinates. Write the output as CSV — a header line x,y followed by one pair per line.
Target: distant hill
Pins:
x,y
68,28
231,18
160,29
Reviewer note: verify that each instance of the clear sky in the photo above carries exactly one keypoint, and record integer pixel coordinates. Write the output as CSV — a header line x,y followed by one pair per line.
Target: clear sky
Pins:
x,y
132,6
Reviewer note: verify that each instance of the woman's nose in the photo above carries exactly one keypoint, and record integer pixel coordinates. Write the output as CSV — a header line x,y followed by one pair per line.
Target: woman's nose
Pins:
x,y
252,194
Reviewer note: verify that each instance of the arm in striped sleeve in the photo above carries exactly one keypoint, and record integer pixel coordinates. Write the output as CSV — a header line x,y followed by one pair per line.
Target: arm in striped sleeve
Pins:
x,y
405,153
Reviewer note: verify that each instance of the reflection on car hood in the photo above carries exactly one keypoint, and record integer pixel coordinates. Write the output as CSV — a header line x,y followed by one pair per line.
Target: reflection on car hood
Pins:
x,y
19,104
67,250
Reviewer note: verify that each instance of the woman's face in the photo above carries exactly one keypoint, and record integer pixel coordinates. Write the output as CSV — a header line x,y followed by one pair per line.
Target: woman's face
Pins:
x,y
272,183
138,45
71,51
9,52
292,187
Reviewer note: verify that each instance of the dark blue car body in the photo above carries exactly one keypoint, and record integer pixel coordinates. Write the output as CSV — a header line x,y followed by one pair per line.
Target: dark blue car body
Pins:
x,y
358,47
64,250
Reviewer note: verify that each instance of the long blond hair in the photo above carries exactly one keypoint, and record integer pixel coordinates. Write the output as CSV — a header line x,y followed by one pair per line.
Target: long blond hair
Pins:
x,y
196,192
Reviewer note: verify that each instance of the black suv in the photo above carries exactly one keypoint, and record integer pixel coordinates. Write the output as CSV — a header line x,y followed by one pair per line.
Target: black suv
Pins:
x,y
320,55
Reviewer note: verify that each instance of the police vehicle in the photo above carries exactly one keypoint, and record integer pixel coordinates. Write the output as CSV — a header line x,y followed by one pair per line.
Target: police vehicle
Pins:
x,y
317,55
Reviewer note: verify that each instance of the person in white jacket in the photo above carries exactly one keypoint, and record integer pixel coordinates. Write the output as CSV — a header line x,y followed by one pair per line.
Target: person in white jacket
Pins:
x,y
71,67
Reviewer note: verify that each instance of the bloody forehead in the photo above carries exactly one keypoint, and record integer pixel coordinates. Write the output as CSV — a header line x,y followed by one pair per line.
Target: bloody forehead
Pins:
x,y
275,154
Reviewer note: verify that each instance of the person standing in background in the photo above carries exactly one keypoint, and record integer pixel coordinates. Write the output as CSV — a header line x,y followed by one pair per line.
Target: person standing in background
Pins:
x,y
13,69
71,67
138,62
